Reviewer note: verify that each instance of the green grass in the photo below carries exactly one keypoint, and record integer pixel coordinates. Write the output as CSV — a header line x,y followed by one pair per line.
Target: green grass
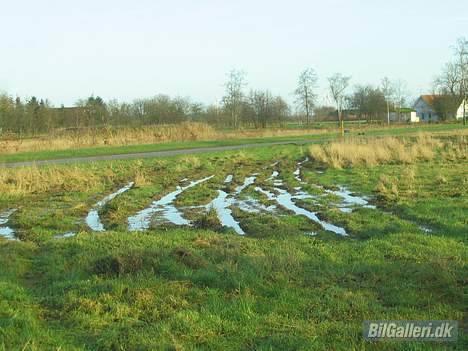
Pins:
x,y
128,149
207,288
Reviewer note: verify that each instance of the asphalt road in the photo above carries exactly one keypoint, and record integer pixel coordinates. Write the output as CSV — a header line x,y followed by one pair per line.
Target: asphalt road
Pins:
x,y
153,154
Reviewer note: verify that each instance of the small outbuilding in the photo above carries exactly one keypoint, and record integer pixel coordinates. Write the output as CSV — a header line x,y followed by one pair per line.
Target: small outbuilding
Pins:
x,y
404,114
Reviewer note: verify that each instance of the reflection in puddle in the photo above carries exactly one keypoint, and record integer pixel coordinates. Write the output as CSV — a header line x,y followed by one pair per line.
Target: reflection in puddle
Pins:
x,y
252,205
273,175
297,172
222,203
5,231
65,235
302,195
92,219
425,229
285,199
349,200
247,182
142,220
297,175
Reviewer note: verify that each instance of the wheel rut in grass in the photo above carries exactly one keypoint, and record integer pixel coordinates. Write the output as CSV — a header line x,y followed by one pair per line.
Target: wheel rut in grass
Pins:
x,y
92,219
165,207
269,193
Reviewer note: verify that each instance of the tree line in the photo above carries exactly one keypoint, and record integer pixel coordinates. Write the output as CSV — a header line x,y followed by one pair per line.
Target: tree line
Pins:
x,y
240,107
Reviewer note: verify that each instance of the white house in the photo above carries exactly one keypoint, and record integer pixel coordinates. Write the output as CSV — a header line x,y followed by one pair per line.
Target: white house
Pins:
x,y
463,108
426,111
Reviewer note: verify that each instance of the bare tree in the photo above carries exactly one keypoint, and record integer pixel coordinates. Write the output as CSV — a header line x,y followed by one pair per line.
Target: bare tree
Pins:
x,y
400,95
453,80
234,95
338,84
305,96
388,91
447,81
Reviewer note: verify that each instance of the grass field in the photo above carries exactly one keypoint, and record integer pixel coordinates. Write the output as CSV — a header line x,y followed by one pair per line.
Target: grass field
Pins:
x,y
287,284
48,148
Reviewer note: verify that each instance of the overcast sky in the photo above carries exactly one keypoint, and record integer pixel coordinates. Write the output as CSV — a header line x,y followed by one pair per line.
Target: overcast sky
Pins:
x,y
65,50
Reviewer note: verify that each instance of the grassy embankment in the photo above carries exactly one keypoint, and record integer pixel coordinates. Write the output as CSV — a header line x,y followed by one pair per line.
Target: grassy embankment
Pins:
x,y
185,136
208,288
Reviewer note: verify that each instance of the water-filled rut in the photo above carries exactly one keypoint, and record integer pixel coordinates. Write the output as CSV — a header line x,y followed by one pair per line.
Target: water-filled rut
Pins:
x,y
165,207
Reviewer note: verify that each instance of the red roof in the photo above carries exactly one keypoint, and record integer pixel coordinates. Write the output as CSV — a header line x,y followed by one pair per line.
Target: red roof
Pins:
x,y
431,99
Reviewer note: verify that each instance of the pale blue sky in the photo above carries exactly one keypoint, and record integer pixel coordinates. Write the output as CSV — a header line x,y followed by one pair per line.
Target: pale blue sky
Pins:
x,y
65,50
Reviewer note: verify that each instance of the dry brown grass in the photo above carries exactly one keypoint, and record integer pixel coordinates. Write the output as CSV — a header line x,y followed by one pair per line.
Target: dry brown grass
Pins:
x,y
387,187
29,180
188,131
370,152
141,178
111,137
456,149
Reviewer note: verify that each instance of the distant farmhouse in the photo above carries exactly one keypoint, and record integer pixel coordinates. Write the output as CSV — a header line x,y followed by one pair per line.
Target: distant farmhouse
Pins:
x,y
432,108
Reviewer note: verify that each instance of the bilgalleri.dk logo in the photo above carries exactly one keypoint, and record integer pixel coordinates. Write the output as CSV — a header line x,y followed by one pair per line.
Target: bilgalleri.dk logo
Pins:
x,y
437,330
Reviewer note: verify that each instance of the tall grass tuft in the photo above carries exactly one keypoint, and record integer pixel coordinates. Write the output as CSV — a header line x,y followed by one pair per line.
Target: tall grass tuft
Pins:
x,y
35,179
371,152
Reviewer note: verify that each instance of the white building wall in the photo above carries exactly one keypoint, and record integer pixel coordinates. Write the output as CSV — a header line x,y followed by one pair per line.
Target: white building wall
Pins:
x,y
460,111
413,117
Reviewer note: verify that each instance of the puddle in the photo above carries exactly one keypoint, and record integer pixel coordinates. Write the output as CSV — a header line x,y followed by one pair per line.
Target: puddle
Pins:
x,y
222,203
349,200
65,235
297,172
92,219
425,229
164,206
247,182
228,179
273,175
297,175
5,231
252,205
285,199
302,195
